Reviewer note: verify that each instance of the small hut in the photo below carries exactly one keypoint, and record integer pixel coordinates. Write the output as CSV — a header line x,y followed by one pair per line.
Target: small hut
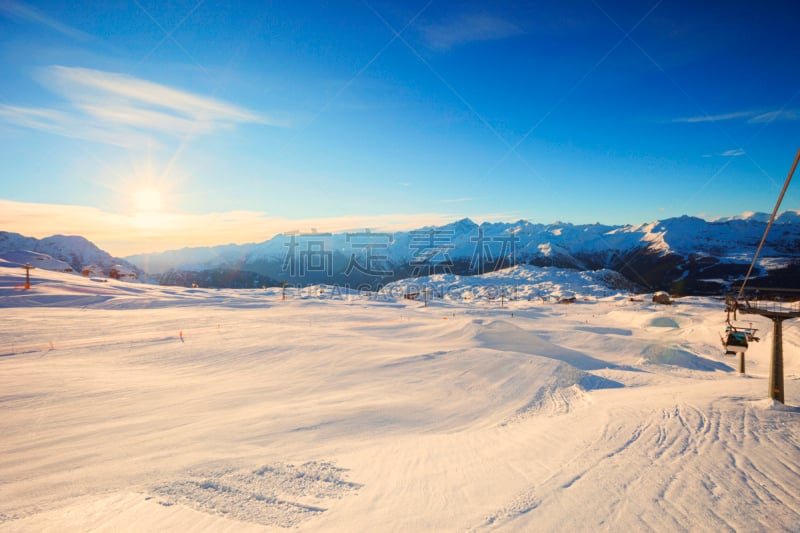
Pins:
x,y
662,297
92,271
122,273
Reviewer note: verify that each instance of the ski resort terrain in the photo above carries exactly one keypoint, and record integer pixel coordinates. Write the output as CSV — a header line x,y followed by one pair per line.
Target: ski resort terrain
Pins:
x,y
535,400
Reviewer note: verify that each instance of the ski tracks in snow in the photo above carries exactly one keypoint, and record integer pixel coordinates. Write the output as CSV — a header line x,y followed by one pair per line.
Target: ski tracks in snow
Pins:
x,y
648,469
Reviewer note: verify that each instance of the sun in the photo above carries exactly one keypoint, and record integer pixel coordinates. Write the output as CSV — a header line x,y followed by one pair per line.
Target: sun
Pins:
x,y
147,200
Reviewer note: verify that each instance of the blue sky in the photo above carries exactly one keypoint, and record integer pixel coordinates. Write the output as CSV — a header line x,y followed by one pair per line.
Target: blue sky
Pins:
x,y
149,125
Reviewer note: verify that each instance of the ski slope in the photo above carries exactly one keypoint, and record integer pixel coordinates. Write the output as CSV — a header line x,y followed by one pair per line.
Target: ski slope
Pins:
x,y
128,407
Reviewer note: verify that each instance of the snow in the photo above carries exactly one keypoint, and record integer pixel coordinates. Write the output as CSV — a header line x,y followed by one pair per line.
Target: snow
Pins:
x,y
790,216
730,239
20,258
128,407
74,250
520,282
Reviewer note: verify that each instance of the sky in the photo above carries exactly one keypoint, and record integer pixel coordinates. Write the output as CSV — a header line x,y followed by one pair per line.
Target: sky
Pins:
x,y
146,125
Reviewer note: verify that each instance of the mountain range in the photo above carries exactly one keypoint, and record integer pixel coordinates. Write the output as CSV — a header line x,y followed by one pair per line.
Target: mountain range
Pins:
x,y
683,255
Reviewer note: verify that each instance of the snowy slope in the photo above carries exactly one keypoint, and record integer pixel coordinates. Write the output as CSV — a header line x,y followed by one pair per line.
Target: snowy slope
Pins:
x,y
524,282
142,408
19,258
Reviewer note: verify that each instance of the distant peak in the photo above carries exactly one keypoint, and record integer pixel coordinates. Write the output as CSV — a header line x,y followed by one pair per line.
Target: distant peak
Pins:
x,y
464,223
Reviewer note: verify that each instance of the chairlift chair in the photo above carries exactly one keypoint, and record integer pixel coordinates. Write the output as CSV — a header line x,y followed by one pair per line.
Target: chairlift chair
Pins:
x,y
735,342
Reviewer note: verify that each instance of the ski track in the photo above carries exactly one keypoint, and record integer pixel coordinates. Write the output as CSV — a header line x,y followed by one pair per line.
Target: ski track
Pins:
x,y
360,416
709,450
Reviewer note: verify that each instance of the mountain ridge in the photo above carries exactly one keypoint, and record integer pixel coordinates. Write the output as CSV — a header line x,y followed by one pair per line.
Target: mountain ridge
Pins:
x,y
234,252
679,253
683,254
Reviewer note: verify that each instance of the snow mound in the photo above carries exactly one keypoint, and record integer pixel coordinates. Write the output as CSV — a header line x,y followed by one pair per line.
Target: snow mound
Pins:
x,y
664,322
567,385
502,335
672,356
770,404
566,390
280,494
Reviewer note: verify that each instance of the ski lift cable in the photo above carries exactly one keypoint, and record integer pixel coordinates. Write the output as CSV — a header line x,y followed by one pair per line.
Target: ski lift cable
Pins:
x,y
769,224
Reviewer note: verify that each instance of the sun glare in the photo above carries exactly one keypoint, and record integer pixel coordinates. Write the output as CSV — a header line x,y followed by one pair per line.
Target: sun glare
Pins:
x,y
147,200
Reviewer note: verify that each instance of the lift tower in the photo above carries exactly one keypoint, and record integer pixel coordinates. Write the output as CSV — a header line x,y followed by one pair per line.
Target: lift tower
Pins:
x,y
775,311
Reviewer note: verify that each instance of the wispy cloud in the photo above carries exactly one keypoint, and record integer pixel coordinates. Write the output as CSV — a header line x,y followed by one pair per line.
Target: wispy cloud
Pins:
x,y
123,110
782,115
733,153
45,119
85,85
70,125
468,28
716,118
24,12
128,115
752,117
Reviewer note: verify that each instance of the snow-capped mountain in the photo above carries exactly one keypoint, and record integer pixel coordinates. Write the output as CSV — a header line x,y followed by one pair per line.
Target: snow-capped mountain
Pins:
x,y
53,253
684,254
785,218
20,258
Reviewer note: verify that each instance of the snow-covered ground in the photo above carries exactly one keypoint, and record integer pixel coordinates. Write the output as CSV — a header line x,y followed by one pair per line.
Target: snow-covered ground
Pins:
x,y
128,407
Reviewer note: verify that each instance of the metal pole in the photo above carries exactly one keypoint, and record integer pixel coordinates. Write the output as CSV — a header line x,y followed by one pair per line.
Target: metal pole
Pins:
x,y
776,367
769,224
741,362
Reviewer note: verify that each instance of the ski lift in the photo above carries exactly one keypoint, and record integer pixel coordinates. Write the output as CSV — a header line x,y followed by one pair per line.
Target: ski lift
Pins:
x,y
736,340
